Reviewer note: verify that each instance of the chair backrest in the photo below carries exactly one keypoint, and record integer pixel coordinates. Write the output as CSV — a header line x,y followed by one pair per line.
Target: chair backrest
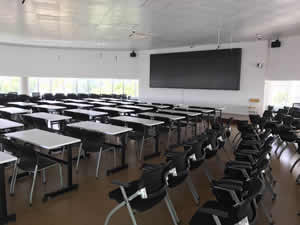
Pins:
x,y
9,146
48,96
270,108
28,122
40,123
72,96
153,180
59,96
180,161
82,95
77,116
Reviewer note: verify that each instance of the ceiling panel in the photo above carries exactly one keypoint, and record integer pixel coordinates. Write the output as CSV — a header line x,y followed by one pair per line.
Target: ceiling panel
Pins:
x,y
162,24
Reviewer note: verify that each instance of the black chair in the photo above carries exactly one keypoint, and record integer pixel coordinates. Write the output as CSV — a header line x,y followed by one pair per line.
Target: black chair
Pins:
x,y
72,96
180,163
77,116
82,95
48,96
91,142
59,96
143,194
29,161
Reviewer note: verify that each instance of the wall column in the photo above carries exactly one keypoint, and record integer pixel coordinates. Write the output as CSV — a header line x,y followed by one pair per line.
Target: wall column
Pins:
x,y
24,86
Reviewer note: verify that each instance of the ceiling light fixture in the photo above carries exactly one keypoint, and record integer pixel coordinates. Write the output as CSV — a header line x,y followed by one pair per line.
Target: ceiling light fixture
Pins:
x,y
137,36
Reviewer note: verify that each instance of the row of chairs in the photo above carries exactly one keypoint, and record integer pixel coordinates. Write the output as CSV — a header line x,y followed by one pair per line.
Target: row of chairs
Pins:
x,y
61,96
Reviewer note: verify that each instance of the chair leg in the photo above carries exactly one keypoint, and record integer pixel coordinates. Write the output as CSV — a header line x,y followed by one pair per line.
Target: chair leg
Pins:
x,y
14,178
98,163
172,208
44,180
61,179
207,173
128,206
294,165
270,188
33,185
113,211
78,158
285,147
170,211
279,145
142,147
267,214
193,190
115,157
169,136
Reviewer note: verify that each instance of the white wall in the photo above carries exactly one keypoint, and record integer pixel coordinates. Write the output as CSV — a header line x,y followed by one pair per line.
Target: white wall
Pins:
x,y
57,62
284,62
252,80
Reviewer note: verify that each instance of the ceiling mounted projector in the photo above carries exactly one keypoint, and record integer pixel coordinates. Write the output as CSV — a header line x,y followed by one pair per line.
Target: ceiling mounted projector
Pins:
x,y
133,54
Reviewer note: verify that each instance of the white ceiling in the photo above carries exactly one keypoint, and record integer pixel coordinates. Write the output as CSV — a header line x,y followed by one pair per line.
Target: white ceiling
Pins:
x,y
168,23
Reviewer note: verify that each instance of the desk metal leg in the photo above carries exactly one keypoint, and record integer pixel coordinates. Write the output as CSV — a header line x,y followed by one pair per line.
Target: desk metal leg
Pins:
x,y
4,217
70,186
157,152
178,133
124,165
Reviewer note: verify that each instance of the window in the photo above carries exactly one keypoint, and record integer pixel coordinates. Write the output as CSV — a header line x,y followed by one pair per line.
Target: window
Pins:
x,y
93,86
9,84
106,86
118,87
282,93
131,88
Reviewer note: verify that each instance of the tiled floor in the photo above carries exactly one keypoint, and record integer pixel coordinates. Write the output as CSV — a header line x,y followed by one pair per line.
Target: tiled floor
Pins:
x,y
90,204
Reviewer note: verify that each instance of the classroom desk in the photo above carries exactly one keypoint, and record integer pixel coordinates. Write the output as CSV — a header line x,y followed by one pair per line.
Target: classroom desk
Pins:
x,y
99,104
207,112
137,109
7,125
110,99
111,130
154,106
189,116
148,124
14,110
91,113
2,106
4,217
93,100
121,102
50,107
23,105
114,110
50,141
74,100
49,117
172,119
50,102
78,105
219,109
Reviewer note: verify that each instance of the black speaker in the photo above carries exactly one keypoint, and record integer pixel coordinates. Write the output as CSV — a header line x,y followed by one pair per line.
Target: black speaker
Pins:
x,y
133,54
276,44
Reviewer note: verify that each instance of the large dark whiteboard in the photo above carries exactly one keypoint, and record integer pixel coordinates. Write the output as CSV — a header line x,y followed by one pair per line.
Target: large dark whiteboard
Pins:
x,y
213,69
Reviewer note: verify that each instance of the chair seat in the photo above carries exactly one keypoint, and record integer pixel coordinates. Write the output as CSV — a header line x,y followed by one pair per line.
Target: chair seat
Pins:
x,y
138,203
28,164
207,219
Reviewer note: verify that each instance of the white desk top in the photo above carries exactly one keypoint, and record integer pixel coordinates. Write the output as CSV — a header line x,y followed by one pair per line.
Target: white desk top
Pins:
x,y
48,116
50,107
87,112
155,106
43,139
115,109
6,158
74,100
79,105
136,107
122,103
102,128
14,110
110,99
7,124
197,109
93,99
2,106
219,108
21,103
179,112
50,102
103,103
162,115
145,122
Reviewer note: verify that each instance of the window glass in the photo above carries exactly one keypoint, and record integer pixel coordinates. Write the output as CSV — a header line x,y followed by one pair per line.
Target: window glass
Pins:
x,y
33,85
9,84
82,86
58,85
70,85
94,86
106,86
118,87
131,88
45,85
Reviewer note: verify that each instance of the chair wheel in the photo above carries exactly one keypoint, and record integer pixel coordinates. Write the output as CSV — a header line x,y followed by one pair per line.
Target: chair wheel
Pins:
x,y
12,194
274,197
